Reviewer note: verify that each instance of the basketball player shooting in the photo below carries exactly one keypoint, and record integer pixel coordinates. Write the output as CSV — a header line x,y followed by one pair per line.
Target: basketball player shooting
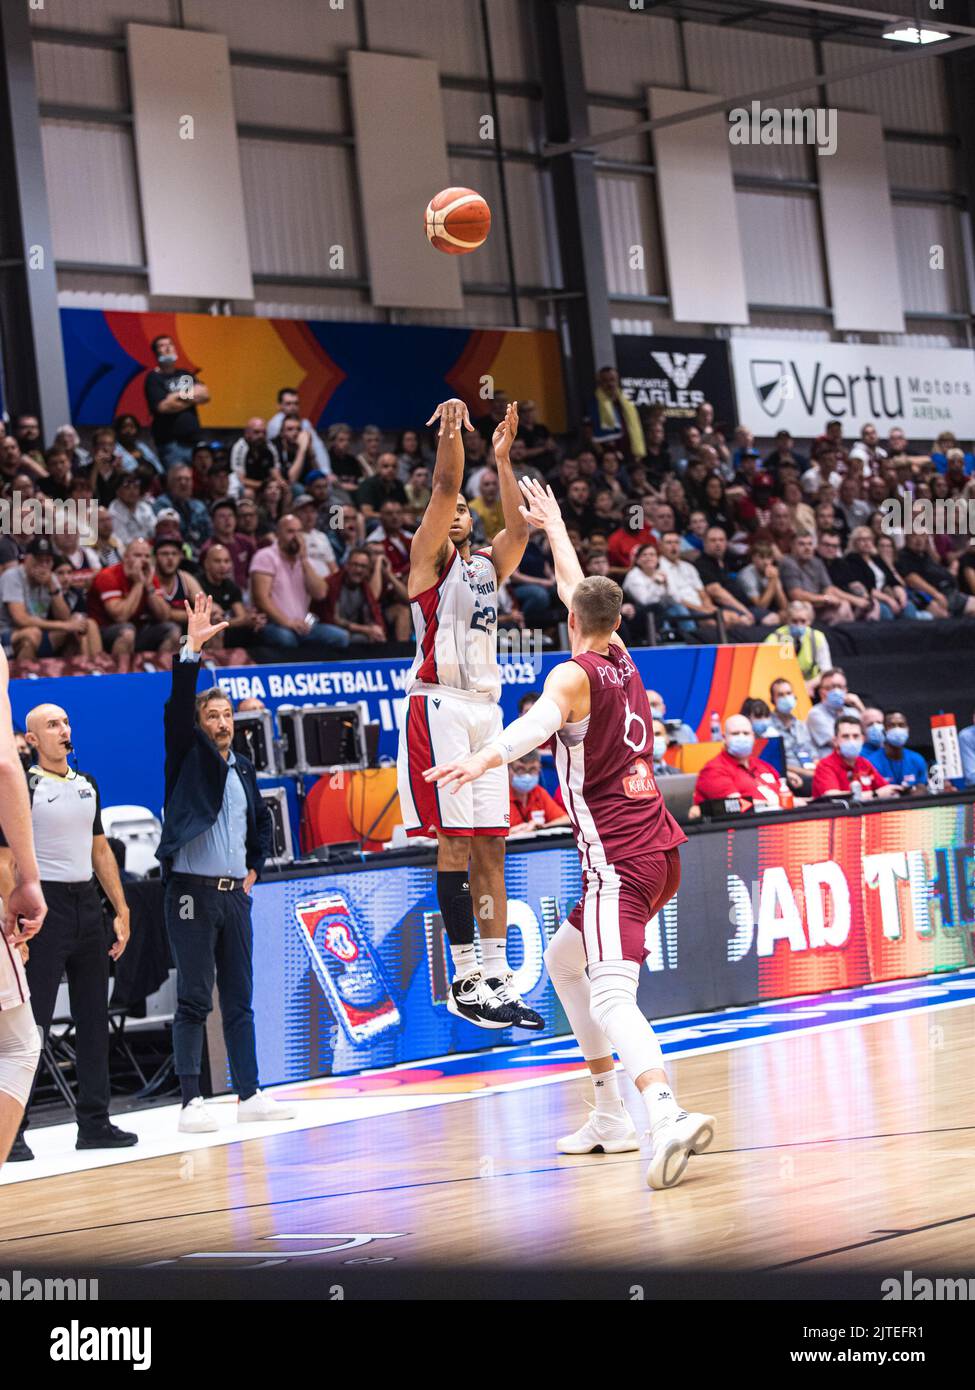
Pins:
x,y
629,850
452,692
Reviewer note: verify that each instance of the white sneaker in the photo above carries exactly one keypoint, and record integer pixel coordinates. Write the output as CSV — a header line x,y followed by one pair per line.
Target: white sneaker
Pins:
x,y
602,1133
195,1118
673,1143
262,1107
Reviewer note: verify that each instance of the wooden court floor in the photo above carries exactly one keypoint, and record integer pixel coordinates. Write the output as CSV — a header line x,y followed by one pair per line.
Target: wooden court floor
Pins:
x,y
847,1149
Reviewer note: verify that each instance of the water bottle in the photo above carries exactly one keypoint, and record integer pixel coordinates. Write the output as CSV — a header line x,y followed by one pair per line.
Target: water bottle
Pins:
x,y
786,800
857,790
936,779
715,727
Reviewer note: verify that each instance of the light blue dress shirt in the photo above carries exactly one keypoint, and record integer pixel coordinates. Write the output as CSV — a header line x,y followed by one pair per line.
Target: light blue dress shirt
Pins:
x,y
221,851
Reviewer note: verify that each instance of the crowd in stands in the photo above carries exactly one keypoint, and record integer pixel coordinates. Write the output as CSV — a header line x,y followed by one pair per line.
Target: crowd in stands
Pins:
x,y
303,538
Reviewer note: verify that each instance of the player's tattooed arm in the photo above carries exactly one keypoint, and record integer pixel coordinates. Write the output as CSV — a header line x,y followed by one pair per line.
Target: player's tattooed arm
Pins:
x,y
431,536
508,546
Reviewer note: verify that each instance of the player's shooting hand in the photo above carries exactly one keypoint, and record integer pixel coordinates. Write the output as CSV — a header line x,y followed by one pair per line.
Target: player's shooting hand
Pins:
x,y
453,776
542,509
504,435
453,416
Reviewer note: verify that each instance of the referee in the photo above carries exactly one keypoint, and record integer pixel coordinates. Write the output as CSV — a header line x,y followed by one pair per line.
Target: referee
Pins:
x,y
217,833
70,846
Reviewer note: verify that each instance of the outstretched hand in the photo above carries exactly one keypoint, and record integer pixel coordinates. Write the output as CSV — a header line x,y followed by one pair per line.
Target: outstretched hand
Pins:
x,y
453,416
199,625
504,435
454,775
542,510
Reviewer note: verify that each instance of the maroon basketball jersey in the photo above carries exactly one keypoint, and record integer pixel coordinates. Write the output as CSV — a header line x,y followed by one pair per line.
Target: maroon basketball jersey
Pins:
x,y
605,765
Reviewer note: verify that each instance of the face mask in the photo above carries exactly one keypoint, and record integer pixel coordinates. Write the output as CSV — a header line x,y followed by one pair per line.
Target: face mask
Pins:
x,y
797,632
875,734
166,359
835,699
740,745
897,738
524,781
759,725
851,747
659,748
785,704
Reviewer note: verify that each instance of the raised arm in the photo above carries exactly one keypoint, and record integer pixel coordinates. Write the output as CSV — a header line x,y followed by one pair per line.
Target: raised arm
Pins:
x,y
508,546
542,511
433,533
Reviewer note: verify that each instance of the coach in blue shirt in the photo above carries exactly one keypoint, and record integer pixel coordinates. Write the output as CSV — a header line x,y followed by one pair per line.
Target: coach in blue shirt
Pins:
x,y
217,833
893,759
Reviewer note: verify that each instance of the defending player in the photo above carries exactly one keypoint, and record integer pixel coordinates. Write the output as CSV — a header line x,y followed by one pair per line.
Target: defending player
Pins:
x,y
452,710
628,844
23,912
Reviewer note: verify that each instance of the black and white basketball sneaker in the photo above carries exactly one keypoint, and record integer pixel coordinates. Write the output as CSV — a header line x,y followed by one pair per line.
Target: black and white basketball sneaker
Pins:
x,y
505,990
473,999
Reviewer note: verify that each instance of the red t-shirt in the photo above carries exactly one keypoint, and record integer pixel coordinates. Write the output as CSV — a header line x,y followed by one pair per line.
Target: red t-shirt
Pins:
x,y
114,583
537,799
724,776
833,773
623,543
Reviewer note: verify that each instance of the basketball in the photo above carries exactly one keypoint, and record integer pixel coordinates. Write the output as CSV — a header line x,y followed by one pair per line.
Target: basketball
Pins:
x,y
457,221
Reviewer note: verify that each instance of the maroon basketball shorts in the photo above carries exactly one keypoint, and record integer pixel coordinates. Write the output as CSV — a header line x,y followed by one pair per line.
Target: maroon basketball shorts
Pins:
x,y
619,901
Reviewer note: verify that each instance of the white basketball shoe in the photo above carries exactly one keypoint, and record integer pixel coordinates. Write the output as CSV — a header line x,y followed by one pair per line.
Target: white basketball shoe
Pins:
x,y
674,1140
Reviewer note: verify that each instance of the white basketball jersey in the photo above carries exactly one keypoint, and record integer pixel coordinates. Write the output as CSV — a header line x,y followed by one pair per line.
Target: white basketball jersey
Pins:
x,y
456,623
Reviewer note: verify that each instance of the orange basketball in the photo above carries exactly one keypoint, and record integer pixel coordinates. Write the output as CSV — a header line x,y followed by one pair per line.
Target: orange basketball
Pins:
x,y
457,221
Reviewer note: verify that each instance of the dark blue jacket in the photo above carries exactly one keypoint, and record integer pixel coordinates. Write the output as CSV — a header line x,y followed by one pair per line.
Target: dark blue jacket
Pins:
x,y
196,775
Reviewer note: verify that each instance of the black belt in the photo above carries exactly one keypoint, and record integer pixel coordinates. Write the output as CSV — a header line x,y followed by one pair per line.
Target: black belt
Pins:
x,y
225,885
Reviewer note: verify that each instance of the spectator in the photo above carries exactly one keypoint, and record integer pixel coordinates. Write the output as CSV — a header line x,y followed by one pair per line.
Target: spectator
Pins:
x,y
660,745
194,521
684,583
418,491
284,584
241,549
868,569
106,466
837,771
394,599
372,447
81,560
411,454
538,443
486,506
533,582
292,451
897,763
485,425
760,584
57,483
758,714
872,723
677,730
220,481
136,456
346,469
851,504
835,702
384,483
321,556
931,587
252,458
735,774
167,524
658,461
107,546
868,451
272,504
721,585
616,419
126,602
36,613
172,397
577,508
27,432
133,516
784,452
289,405
228,600
176,585
805,577
351,602
248,527
636,530
68,440
395,538
797,746
531,807
646,589
828,550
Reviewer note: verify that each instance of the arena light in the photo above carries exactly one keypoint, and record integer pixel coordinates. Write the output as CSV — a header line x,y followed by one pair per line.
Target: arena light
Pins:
x,y
904,32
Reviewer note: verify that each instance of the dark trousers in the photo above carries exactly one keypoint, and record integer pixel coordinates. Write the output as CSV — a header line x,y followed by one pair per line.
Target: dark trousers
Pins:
x,y
211,938
74,941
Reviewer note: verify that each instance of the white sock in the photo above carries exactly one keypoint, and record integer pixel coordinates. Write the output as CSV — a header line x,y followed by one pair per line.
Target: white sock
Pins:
x,y
464,959
494,956
661,1104
606,1089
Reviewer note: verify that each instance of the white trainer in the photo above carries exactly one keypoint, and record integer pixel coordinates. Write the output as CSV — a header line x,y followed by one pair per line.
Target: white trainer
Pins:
x,y
602,1133
262,1108
673,1143
195,1118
